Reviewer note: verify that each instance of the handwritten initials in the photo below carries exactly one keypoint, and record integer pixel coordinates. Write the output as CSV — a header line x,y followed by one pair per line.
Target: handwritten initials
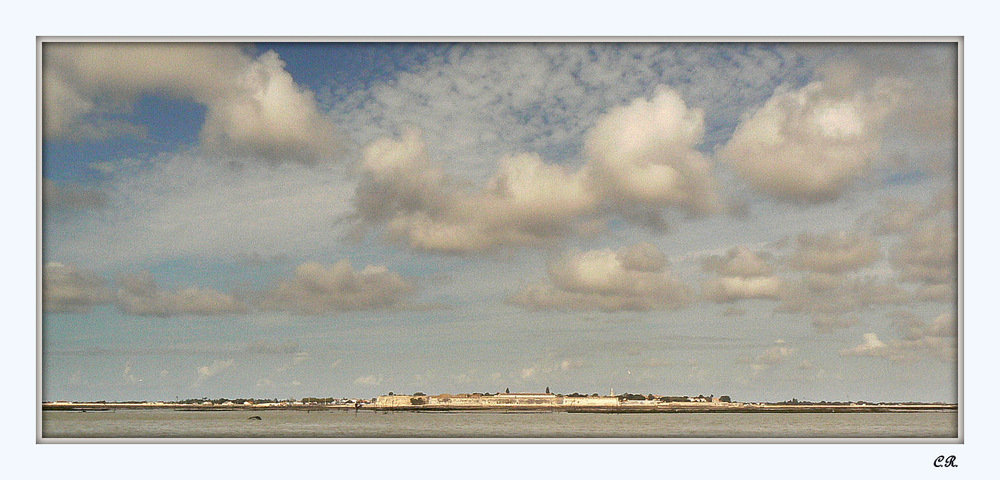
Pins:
x,y
942,461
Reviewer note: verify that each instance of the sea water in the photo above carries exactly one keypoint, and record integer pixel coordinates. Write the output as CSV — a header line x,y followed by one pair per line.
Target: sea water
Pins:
x,y
124,423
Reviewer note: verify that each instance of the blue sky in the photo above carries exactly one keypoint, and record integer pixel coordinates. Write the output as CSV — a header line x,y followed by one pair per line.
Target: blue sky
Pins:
x,y
760,221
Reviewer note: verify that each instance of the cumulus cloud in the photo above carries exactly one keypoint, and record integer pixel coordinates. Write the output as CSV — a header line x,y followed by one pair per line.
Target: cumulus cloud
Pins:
x,y
645,153
525,202
138,294
218,366
253,106
810,144
772,356
904,351
834,252
729,289
739,262
743,274
478,103
607,280
318,289
70,289
871,347
775,354
642,257
641,159
919,340
928,255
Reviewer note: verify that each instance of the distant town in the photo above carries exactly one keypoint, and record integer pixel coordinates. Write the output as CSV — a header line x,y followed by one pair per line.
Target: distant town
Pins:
x,y
511,402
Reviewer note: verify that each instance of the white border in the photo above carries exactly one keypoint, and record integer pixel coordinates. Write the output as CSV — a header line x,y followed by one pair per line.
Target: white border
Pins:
x,y
518,19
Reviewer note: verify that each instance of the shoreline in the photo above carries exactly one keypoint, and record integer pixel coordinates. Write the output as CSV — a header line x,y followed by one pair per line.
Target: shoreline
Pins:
x,y
665,408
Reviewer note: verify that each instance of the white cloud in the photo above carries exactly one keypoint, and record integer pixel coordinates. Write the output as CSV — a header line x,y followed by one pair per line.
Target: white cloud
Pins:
x,y
641,159
871,347
218,366
254,107
601,280
318,289
477,103
743,274
525,202
810,144
772,357
642,257
645,154
728,289
775,355
918,341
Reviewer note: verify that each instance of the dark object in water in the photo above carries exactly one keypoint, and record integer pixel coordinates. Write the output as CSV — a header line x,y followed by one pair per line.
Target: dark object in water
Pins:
x,y
255,417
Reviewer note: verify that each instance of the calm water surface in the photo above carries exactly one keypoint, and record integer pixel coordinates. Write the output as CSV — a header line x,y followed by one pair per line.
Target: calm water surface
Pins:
x,y
324,424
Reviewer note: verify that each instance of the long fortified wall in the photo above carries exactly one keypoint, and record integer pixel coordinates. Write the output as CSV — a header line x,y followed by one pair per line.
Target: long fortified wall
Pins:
x,y
474,400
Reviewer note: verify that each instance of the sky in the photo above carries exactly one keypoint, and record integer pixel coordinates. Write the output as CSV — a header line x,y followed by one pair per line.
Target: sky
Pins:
x,y
764,221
